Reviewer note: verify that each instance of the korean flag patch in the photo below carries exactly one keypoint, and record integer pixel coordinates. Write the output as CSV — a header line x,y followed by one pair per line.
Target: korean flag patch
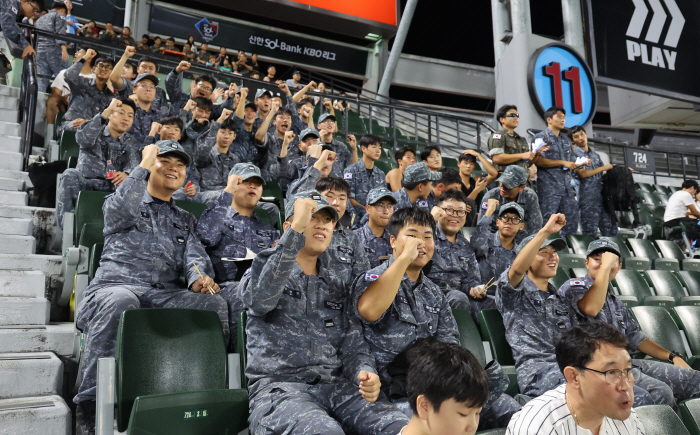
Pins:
x,y
484,205
369,277
496,136
348,176
422,203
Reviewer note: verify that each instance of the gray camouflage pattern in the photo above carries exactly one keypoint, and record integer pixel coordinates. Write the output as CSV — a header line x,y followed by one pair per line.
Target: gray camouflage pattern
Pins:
x,y
375,247
455,268
178,98
86,100
48,50
160,103
528,201
403,200
592,212
214,167
360,182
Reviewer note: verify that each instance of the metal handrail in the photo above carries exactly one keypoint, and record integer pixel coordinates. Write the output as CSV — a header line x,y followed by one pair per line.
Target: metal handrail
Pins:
x,y
26,115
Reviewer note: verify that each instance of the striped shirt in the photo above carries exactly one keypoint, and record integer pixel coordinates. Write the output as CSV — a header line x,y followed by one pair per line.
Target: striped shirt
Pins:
x,y
549,415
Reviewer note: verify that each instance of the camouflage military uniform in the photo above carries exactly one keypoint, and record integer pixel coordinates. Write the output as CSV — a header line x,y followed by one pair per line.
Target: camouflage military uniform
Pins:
x,y
343,158
97,146
527,200
375,247
142,123
9,10
403,200
305,350
178,99
148,245
347,254
505,142
86,100
421,310
660,380
159,104
214,167
245,146
593,214
555,190
48,50
275,167
455,270
361,183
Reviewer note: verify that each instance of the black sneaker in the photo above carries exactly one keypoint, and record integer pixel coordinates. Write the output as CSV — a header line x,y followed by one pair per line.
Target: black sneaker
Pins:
x,y
85,418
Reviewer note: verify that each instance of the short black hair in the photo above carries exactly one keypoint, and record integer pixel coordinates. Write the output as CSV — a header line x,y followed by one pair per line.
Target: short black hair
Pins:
x,y
466,158
452,194
149,59
109,22
172,120
271,66
39,3
575,347
443,371
449,176
283,111
503,110
206,78
59,5
333,183
171,39
410,215
303,101
103,59
130,65
575,129
369,139
229,124
402,152
204,103
553,111
429,149
128,102
86,48
157,37
687,184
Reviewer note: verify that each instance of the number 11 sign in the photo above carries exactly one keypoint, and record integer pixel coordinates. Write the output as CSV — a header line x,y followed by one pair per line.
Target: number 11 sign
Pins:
x,y
558,76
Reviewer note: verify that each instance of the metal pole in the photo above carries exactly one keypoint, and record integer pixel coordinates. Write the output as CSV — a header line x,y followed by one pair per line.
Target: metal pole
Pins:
x,y
399,40
573,23
127,14
520,16
501,23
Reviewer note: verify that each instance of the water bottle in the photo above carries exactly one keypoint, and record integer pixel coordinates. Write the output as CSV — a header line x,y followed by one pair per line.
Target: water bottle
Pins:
x,y
111,170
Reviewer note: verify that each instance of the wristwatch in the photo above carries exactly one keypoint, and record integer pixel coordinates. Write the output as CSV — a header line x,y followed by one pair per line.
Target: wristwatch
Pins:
x,y
673,355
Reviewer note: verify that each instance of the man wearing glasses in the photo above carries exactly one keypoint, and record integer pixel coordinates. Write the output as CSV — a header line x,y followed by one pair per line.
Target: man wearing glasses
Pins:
x,y
10,9
375,237
145,91
597,397
506,147
590,300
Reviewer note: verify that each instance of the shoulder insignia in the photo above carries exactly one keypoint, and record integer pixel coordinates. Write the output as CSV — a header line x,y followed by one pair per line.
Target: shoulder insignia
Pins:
x,y
348,176
577,283
370,277
422,203
484,205
14,9
496,136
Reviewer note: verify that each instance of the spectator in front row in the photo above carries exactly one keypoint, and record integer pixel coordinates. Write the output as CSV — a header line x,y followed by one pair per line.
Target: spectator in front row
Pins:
x,y
107,154
149,242
432,157
375,238
597,397
295,388
405,157
364,175
680,204
447,389
52,53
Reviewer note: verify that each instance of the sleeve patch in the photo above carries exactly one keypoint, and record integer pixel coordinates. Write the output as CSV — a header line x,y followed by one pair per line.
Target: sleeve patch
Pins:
x,y
484,205
348,176
496,136
370,277
423,203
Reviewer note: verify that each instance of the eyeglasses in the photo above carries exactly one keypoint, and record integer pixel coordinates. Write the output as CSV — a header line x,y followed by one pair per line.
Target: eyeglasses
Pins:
x,y
512,115
453,212
615,376
147,87
328,121
205,88
512,220
106,67
384,207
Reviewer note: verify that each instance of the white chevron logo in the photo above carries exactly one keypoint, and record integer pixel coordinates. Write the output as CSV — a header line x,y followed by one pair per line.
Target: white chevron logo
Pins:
x,y
658,20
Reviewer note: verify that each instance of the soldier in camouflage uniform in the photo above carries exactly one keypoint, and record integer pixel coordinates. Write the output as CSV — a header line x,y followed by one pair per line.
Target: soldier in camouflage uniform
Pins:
x,y
51,53
296,156
380,207
555,189
276,144
89,95
146,65
506,146
245,145
326,126
512,189
364,175
144,86
149,242
229,228
103,139
398,304
10,13
417,184
590,300
203,87
215,158
306,354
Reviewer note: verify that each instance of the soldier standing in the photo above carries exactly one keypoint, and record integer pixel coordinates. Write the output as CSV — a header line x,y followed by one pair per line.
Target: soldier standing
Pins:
x,y
52,53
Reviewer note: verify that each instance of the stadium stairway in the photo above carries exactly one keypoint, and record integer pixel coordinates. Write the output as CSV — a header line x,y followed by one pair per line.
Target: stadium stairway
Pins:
x,y
32,348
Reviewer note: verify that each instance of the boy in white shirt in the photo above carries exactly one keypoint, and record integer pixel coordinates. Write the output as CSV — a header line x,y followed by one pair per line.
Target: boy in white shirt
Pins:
x,y
680,204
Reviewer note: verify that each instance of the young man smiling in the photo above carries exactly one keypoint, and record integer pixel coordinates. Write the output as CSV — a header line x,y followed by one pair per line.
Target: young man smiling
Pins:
x,y
364,176
375,237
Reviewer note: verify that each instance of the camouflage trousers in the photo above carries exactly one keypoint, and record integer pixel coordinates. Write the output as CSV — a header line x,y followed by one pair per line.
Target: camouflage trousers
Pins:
x,y
459,300
48,64
229,291
72,182
594,216
322,409
98,317
683,383
568,205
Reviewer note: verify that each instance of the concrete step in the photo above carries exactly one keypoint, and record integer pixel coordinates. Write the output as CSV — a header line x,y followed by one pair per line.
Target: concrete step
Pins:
x,y
44,415
10,128
48,264
24,311
11,184
10,160
12,244
8,102
17,175
13,198
9,91
19,227
58,338
22,283
10,143
8,115
30,374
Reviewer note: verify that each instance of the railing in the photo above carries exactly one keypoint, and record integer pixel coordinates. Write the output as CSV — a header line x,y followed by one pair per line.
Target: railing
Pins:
x,y
26,115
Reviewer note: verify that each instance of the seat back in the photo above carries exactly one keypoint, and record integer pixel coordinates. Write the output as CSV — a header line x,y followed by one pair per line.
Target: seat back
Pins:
x,y
643,248
645,187
67,145
196,208
91,233
493,331
624,250
579,242
88,209
469,336
690,414
660,420
658,325
94,262
691,280
572,260
669,249
688,319
665,283
167,350
631,283
560,278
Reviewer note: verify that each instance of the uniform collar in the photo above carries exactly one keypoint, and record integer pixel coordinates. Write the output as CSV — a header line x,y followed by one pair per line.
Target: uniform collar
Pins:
x,y
440,235
421,277
370,234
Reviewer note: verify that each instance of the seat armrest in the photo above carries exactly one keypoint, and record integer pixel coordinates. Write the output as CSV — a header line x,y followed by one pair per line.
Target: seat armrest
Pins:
x,y
234,371
106,396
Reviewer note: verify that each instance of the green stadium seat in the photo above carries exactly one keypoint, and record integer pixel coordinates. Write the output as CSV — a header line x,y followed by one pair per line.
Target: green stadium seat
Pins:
x,y
669,249
493,331
666,283
91,233
469,336
629,301
468,231
579,242
560,278
57,122
196,208
690,414
272,192
166,351
645,249
690,280
646,216
659,326
88,209
645,187
572,260
68,146
658,211
449,162
629,261
660,420
376,129
674,189
631,283
651,198
664,190
241,343
385,165
578,272
72,160
688,320
94,262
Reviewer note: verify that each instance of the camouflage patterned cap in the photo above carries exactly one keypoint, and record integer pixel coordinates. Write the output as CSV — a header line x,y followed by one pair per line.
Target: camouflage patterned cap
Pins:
x,y
557,244
262,91
321,201
512,207
146,76
309,132
513,176
246,171
173,146
419,172
378,193
602,245
325,116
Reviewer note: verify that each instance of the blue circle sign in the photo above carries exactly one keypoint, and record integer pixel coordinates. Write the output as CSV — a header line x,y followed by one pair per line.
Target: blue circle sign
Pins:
x,y
559,76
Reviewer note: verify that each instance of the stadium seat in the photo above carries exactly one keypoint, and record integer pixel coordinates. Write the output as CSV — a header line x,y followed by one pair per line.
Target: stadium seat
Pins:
x,y
645,249
659,326
645,187
629,261
241,344
179,355
196,208
660,420
572,261
91,234
68,146
469,336
690,414
579,243
632,283
666,283
669,249
560,278
688,320
578,272
384,165
272,192
58,120
656,224
664,190
88,209
95,255
690,280
449,162
493,331
651,198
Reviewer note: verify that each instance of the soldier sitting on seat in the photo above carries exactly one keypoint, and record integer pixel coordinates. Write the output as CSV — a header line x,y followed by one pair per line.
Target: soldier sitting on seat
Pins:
x,y
149,244
416,185
364,175
375,237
